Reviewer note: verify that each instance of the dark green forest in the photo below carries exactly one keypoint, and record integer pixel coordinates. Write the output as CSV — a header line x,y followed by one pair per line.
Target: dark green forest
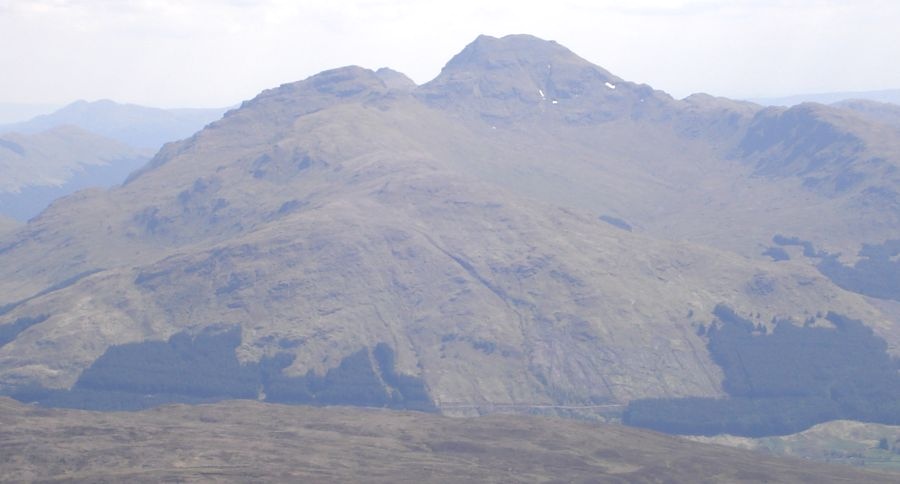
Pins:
x,y
783,381
204,368
9,332
358,380
875,274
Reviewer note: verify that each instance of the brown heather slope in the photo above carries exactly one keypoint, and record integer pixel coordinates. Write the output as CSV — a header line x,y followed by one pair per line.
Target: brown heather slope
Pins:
x,y
250,441
457,223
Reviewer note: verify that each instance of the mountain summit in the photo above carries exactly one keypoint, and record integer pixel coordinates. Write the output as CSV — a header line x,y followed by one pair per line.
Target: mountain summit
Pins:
x,y
521,75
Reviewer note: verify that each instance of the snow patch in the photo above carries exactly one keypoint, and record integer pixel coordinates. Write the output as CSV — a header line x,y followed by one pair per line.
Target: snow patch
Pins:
x,y
555,101
610,85
542,94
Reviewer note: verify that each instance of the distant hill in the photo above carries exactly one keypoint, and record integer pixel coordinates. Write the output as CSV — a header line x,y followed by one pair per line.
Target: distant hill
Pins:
x,y
137,126
885,96
38,168
85,144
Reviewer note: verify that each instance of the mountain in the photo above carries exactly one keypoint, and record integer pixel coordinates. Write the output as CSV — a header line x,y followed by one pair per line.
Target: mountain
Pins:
x,y
209,442
525,232
38,168
884,96
137,126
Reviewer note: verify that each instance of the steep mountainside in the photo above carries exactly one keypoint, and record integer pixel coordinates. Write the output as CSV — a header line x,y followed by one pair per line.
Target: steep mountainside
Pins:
x,y
525,231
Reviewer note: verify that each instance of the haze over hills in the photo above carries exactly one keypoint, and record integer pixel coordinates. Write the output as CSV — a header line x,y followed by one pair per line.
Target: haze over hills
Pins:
x,y
38,168
525,231
54,155
137,126
85,144
884,96
17,112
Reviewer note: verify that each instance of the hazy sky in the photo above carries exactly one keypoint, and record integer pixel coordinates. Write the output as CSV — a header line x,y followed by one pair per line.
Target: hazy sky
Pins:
x,y
213,53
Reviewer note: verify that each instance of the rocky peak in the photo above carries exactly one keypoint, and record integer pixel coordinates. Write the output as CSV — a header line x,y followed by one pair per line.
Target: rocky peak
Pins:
x,y
487,52
521,76
344,84
395,80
